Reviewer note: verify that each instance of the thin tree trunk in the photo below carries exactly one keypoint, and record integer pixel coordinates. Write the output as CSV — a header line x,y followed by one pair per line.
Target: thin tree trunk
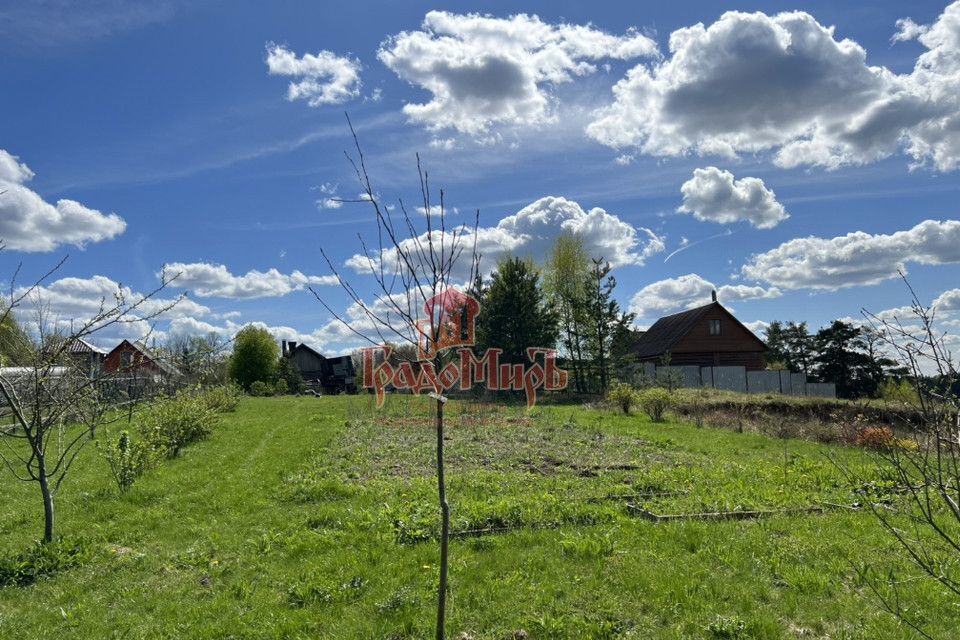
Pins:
x,y
573,348
581,386
444,528
48,513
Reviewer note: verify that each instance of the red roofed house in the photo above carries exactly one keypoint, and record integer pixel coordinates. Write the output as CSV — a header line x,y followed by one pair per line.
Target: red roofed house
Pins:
x,y
135,359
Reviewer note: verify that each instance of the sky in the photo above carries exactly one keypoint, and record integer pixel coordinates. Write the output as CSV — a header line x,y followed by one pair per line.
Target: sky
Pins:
x,y
794,157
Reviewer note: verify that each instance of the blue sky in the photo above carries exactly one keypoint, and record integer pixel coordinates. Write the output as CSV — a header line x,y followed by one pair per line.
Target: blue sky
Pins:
x,y
164,122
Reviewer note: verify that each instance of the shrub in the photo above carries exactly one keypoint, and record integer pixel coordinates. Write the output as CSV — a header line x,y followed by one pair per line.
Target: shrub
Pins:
x,y
169,423
655,403
222,398
261,389
879,438
287,372
669,378
622,395
906,444
128,459
41,560
280,388
899,392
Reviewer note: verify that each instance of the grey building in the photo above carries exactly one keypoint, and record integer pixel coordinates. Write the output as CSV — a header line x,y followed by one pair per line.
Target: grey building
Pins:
x,y
322,374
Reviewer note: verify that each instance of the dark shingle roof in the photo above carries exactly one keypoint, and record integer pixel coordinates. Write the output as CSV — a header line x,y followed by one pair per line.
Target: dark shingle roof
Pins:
x,y
310,349
667,331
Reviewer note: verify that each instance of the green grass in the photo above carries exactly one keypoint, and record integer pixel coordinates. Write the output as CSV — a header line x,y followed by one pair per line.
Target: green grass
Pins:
x,y
315,518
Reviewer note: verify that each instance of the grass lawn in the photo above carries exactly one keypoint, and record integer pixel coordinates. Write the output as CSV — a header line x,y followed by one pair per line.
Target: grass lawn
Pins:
x,y
315,518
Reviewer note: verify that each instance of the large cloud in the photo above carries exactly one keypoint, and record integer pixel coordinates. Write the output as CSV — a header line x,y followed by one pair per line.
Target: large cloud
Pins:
x,y
533,230
936,79
28,223
753,82
685,292
483,70
324,78
857,258
81,298
215,280
948,301
66,303
714,195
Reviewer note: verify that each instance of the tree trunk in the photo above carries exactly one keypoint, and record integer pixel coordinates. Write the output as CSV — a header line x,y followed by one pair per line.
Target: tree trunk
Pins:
x,y
444,529
48,514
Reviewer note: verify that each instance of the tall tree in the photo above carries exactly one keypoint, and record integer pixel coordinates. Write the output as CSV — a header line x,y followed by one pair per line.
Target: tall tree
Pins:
x,y
800,347
201,359
776,340
566,279
841,359
516,314
604,319
791,345
621,345
15,345
255,356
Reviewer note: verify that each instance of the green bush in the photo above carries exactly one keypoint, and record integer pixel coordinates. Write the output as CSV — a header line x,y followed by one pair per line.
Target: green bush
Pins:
x,y
288,373
655,403
42,560
261,389
169,423
128,459
222,398
899,392
280,388
622,395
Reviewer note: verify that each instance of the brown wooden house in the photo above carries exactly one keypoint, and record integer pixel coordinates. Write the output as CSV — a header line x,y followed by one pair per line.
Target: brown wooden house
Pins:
x,y
135,359
707,336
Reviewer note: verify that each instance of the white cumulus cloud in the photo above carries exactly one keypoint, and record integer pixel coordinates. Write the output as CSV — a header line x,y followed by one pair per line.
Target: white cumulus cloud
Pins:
x,y
215,280
948,301
29,223
66,303
752,82
321,78
481,70
533,230
857,258
685,292
714,195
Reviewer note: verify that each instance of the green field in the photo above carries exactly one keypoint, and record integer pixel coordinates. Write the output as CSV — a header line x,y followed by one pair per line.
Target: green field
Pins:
x,y
316,518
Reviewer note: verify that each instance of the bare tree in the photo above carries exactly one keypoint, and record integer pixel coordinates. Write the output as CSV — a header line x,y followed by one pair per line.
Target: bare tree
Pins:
x,y
200,359
54,400
923,513
411,266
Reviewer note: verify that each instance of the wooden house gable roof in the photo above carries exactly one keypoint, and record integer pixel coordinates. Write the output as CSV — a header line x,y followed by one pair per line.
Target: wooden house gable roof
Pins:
x,y
668,331
302,347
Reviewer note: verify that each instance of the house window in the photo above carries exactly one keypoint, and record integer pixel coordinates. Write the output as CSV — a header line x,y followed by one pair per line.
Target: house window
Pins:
x,y
126,359
714,327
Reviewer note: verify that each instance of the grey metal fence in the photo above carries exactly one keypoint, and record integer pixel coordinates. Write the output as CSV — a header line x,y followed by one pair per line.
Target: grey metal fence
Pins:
x,y
736,379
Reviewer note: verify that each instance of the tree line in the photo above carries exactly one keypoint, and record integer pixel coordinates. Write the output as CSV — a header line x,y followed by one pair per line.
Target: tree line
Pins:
x,y
848,355
566,303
